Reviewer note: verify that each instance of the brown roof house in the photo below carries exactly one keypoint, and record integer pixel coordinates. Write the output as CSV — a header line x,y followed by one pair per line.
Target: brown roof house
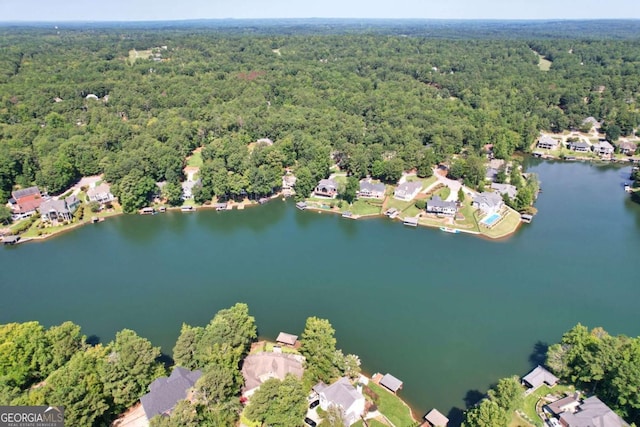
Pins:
x,y
257,368
592,412
436,419
165,393
25,202
326,188
287,339
628,148
538,377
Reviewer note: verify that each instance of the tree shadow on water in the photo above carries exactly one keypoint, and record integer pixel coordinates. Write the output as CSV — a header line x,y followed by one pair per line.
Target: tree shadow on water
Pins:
x,y
539,354
472,397
93,340
456,416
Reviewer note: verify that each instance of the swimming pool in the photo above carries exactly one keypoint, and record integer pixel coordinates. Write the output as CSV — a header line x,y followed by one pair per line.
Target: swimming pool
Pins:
x,y
491,219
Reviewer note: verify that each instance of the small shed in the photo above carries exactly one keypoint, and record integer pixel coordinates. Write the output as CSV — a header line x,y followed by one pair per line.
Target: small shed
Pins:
x,y
526,218
301,205
287,339
391,382
436,419
10,240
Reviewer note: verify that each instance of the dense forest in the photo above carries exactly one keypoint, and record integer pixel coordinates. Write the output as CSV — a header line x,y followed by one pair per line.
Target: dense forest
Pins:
x,y
78,100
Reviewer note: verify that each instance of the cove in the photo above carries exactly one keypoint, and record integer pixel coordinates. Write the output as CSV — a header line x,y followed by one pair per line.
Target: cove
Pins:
x,y
448,314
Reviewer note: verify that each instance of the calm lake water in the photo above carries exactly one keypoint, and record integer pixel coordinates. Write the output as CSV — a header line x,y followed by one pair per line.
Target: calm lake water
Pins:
x,y
448,314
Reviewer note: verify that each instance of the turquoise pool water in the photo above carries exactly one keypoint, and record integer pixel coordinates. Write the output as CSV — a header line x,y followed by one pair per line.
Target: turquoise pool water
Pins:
x,y
490,220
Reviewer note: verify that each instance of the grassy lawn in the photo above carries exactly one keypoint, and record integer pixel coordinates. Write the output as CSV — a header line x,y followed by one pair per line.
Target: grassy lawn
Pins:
x,y
371,423
401,205
543,63
444,193
529,405
469,222
506,225
195,160
412,211
517,421
363,207
392,407
268,347
425,181
135,54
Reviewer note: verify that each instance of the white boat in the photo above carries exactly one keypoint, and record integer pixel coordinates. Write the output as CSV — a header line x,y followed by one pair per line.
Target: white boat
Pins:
x,y
450,230
188,209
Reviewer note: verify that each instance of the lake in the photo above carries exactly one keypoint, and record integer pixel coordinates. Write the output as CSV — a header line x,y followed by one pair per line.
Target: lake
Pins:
x,y
447,314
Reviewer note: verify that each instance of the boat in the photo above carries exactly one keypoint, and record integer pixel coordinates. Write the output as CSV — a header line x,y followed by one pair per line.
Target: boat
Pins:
x,y
188,209
162,209
301,205
450,230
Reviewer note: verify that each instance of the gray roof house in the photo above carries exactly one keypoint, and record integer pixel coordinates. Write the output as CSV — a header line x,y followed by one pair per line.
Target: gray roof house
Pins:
x,y
592,412
407,190
391,382
370,190
287,339
547,142
569,403
579,146
488,202
165,392
326,188
58,210
602,147
627,147
592,121
539,376
343,395
257,368
187,188
100,194
438,206
492,174
508,189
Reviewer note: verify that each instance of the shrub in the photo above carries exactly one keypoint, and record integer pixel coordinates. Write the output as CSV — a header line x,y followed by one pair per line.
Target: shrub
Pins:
x,y
421,204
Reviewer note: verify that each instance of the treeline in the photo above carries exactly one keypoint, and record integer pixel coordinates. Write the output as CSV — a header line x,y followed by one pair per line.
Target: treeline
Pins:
x,y
373,103
592,360
95,382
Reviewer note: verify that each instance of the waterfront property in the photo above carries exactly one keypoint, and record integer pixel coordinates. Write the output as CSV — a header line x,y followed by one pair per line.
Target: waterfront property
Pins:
x,y
566,404
508,189
371,190
603,148
391,383
411,221
187,188
165,392
326,188
58,210
407,191
591,412
539,376
343,395
440,207
287,339
435,418
25,202
579,146
100,193
628,148
547,143
257,368
490,220
489,203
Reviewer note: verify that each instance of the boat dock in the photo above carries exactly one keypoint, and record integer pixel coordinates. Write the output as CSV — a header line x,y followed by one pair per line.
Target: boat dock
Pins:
x,y
411,221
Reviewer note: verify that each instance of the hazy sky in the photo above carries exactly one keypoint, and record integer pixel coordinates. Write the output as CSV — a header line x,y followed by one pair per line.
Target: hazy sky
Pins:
x,y
139,10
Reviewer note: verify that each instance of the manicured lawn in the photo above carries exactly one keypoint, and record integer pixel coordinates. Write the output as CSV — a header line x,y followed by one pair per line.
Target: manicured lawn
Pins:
x,y
444,193
268,347
411,211
195,160
362,207
401,205
469,222
505,226
392,407
529,405
371,423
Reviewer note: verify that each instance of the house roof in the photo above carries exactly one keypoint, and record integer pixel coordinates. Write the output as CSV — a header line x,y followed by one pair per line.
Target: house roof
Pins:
x,y
25,192
408,188
52,205
188,185
391,382
508,189
257,368
489,199
165,392
627,145
547,140
328,184
341,393
436,418
103,188
437,202
372,187
561,405
593,413
602,144
539,376
591,120
286,338
579,144
72,200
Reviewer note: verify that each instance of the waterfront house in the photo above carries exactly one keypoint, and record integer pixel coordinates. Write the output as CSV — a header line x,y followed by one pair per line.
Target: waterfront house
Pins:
x,y
579,146
391,383
25,202
603,148
508,189
441,207
287,339
370,190
547,143
165,392
100,193
72,203
56,210
592,412
628,148
257,368
566,404
343,395
436,419
326,188
187,188
488,203
538,377
407,190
